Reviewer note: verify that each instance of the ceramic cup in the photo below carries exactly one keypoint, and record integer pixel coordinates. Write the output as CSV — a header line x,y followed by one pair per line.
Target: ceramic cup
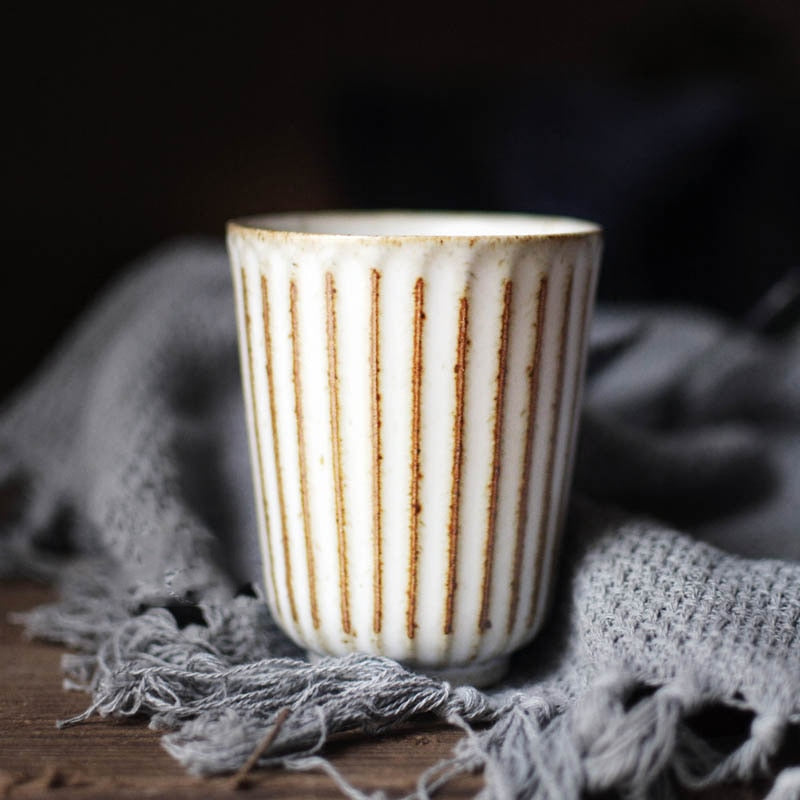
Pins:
x,y
412,384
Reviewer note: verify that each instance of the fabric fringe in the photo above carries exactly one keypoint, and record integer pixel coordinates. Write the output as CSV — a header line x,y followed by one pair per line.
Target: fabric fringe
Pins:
x,y
219,686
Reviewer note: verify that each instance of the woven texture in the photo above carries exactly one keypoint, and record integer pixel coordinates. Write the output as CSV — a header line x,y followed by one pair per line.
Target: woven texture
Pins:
x,y
124,473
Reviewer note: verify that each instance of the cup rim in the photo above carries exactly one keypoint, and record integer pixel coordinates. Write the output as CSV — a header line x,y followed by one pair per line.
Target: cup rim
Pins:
x,y
284,225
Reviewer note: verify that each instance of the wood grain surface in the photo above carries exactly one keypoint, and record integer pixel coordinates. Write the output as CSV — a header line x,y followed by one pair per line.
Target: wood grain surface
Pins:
x,y
104,758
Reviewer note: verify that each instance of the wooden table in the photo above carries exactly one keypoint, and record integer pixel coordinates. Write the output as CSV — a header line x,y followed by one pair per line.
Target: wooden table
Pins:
x,y
104,758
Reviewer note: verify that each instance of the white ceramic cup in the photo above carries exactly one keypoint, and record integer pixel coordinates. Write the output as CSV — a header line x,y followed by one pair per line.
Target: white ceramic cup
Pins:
x,y
412,384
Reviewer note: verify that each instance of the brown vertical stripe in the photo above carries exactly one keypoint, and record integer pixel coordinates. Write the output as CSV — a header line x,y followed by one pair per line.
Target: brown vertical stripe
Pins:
x,y
582,333
336,444
415,508
455,487
497,440
534,371
377,455
262,485
574,414
301,452
276,445
551,455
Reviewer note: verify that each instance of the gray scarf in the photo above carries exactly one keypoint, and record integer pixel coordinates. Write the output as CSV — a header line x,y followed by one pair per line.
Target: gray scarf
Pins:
x,y
124,471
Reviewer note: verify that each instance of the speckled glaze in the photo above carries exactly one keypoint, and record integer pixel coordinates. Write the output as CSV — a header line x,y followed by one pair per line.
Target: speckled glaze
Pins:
x,y
412,383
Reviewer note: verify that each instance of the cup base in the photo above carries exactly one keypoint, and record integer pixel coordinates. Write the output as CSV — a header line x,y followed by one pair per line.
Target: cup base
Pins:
x,y
479,674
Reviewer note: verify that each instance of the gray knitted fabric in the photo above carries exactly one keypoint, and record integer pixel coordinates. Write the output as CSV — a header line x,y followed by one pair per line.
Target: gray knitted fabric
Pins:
x,y
128,451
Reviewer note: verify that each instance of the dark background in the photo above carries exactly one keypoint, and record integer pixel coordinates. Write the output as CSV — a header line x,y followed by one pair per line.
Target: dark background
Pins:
x,y
674,124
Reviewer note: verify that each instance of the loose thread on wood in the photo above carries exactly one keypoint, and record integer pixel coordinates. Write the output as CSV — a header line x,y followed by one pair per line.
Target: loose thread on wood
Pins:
x,y
238,781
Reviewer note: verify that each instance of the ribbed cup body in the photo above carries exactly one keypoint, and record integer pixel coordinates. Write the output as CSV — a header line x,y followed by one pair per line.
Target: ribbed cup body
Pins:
x,y
412,405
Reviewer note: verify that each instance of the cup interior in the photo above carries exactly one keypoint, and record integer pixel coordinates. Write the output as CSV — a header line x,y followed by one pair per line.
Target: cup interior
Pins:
x,y
419,224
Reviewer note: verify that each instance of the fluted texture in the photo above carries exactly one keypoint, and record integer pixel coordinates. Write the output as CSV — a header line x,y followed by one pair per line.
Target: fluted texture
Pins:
x,y
412,410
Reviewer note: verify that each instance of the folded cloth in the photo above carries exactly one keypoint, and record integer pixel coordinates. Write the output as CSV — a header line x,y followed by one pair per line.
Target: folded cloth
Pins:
x,y
124,475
